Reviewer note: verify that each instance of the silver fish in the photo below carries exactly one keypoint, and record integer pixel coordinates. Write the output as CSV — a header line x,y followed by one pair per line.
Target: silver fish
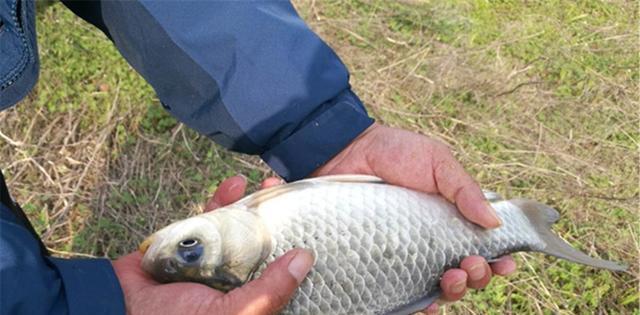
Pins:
x,y
379,249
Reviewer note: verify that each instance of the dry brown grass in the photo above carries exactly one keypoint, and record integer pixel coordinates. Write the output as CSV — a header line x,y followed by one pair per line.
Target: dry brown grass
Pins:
x,y
97,168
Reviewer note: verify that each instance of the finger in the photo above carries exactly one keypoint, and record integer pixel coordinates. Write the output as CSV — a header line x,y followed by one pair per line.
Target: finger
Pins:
x,y
229,191
504,266
270,182
273,290
453,284
432,309
478,271
457,186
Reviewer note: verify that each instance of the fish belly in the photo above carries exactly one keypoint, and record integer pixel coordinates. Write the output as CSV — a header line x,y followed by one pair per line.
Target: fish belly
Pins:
x,y
380,247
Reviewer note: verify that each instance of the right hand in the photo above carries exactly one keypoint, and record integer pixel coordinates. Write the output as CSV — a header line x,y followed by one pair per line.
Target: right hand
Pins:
x,y
418,162
265,295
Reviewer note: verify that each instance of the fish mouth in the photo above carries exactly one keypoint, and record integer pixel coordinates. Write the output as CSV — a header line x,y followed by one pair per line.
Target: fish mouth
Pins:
x,y
224,280
171,269
144,246
165,270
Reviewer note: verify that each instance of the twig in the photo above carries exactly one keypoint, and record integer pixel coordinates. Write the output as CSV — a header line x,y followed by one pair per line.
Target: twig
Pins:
x,y
70,254
517,87
11,141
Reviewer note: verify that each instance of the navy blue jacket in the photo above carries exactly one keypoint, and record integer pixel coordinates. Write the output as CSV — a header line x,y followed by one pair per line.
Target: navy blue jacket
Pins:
x,y
250,75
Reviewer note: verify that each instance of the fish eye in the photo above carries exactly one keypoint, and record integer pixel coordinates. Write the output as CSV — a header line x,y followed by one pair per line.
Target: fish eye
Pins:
x,y
190,242
190,250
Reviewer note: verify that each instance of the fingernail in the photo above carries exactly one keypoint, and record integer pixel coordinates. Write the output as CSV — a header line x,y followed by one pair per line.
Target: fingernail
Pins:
x,y
273,181
300,265
477,272
496,222
234,185
510,268
458,287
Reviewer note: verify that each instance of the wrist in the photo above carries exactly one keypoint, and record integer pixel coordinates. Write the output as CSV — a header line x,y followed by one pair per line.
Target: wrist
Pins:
x,y
319,138
353,158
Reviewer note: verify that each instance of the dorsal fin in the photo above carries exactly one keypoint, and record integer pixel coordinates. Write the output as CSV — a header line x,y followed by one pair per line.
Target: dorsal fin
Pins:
x,y
348,178
255,199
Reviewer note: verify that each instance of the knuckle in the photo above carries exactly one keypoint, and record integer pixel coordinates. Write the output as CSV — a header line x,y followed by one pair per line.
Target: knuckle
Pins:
x,y
275,301
442,150
481,284
277,291
222,306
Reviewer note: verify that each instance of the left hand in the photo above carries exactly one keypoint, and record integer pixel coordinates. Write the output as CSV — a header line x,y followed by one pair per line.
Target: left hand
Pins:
x,y
415,161
266,295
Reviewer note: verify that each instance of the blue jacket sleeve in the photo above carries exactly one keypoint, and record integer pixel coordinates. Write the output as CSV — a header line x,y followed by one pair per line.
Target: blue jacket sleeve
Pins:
x,y
250,75
34,284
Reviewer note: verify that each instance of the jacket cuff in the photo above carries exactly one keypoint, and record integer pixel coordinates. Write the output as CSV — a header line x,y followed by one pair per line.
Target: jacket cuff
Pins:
x,y
321,137
90,285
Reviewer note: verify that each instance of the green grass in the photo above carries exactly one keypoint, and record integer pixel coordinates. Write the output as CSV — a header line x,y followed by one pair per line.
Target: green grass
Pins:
x,y
537,99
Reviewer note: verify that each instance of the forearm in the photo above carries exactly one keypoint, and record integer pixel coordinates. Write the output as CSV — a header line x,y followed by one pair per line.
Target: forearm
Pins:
x,y
36,284
250,75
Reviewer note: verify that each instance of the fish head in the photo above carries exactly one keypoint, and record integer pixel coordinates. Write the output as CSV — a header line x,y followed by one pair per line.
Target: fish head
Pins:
x,y
188,250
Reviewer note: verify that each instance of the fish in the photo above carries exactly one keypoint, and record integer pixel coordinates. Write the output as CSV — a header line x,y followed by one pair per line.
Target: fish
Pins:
x,y
378,248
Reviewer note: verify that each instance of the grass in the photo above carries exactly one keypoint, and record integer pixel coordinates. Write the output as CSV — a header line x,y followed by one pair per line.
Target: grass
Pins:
x,y
537,99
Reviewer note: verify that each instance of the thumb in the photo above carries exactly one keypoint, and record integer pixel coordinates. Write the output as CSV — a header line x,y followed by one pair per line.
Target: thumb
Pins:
x,y
275,287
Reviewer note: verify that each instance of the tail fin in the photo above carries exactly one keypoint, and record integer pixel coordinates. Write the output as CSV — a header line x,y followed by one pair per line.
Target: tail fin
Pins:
x,y
541,217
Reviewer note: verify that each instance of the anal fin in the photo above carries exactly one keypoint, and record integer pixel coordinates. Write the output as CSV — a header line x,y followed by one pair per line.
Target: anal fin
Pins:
x,y
417,305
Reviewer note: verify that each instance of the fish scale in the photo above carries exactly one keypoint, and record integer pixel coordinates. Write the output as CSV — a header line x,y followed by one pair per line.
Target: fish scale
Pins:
x,y
379,248
394,256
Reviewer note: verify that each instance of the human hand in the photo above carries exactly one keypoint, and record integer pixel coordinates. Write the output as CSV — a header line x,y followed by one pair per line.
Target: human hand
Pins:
x,y
415,161
265,295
